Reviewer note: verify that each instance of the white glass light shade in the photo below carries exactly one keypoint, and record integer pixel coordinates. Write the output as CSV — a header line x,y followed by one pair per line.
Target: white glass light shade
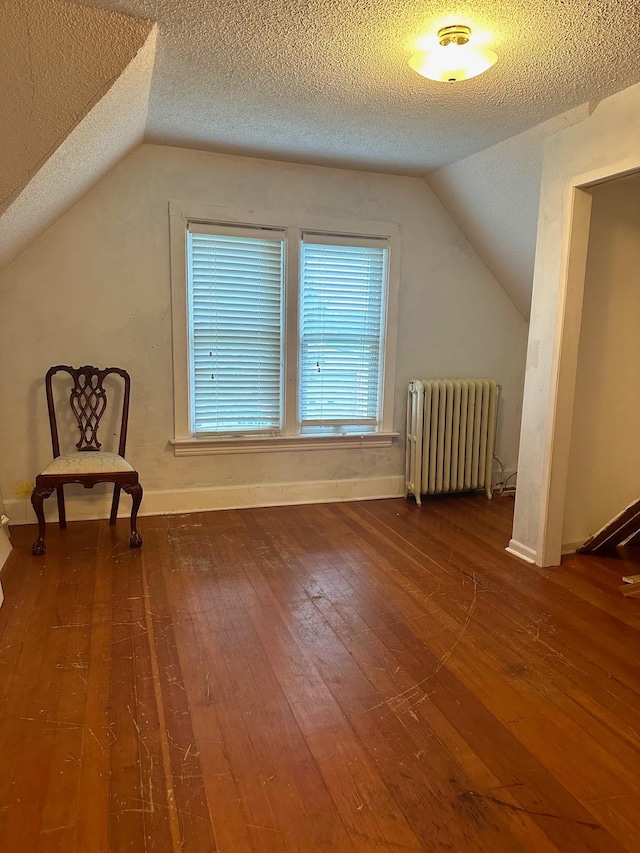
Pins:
x,y
452,62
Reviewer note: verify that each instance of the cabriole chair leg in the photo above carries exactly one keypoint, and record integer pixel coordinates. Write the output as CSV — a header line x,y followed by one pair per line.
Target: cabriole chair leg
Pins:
x,y
136,498
38,496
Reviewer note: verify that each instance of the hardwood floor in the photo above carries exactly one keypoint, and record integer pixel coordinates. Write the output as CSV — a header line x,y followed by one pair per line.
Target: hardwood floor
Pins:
x,y
350,677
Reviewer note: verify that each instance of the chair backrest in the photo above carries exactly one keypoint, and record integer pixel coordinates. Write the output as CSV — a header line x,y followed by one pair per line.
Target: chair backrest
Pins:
x,y
88,399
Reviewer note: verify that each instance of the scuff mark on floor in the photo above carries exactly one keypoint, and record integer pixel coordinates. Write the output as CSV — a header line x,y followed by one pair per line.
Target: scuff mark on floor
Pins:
x,y
469,797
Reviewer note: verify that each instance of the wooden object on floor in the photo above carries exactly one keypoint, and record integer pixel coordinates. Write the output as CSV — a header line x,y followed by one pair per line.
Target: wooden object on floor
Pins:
x,y
88,465
635,539
348,677
625,526
630,590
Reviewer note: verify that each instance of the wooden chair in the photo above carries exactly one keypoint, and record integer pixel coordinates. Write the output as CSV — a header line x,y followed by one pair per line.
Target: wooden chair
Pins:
x,y
88,465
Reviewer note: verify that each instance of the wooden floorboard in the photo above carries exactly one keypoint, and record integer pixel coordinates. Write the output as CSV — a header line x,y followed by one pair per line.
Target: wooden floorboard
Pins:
x,y
368,676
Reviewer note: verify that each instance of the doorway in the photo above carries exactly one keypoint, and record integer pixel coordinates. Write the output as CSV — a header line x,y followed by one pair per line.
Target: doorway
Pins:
x,y
603,474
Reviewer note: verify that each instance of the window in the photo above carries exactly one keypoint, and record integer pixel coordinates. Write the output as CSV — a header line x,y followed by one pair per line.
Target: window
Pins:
x,y
287,335
342,299
235,281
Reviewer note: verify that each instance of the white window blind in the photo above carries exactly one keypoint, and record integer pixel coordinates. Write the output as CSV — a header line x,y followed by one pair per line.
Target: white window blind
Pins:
x,y
235,306
342,306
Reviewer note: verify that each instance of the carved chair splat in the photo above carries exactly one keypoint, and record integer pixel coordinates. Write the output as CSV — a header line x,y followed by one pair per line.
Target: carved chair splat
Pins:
x,y
88,465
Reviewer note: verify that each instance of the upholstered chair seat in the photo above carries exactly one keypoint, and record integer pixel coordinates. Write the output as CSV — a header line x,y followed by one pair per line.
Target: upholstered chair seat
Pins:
x,y
86,462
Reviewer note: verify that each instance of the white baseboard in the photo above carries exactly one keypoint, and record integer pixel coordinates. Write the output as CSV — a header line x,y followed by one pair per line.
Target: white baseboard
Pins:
x,y
5,550
524,552
572,547
174,501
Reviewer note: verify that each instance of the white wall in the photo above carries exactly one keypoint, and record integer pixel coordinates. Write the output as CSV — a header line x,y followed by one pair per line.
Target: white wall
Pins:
x,y
604,462
603,145
95,288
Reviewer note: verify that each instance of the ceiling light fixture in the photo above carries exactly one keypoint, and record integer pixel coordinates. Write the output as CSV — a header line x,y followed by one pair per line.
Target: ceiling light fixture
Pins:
x,y
454,58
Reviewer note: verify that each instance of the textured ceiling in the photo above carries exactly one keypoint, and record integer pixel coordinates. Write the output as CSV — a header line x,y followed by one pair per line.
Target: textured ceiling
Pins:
x,y
56,61
110,130
327,81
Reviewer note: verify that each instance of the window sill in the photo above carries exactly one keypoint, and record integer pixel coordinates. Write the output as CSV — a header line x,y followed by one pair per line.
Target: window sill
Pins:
x,y
270,444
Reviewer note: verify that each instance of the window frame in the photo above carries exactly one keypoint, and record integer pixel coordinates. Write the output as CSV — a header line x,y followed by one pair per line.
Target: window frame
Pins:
x,y
314,240
196,230
294,225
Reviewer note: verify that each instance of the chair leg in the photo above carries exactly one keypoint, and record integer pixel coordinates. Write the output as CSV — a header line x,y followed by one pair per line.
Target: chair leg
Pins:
x,y
37,499
114,504
136,499
62,518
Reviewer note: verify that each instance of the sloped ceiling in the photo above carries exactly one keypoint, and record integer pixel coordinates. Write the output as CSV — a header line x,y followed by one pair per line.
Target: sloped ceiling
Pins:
x,y
323,82
56,61
494,197
110,131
